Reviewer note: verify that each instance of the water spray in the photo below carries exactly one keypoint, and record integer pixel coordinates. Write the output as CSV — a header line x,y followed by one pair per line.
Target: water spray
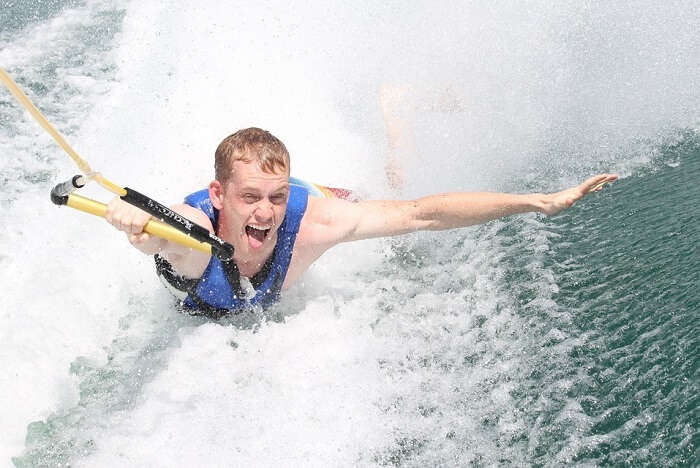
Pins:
x,y
168,224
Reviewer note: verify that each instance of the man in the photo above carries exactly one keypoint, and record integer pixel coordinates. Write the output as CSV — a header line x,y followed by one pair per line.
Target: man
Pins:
x,y
278,230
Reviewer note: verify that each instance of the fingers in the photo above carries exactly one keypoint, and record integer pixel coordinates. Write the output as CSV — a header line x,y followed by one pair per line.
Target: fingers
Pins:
x,y
126,217
596,183
559,201
140,238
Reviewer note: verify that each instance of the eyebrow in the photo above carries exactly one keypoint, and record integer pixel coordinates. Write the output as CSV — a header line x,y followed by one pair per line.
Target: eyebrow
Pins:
x,y
255,189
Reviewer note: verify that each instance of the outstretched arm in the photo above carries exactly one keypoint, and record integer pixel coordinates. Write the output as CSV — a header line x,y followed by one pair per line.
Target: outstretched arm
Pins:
x,y
333,221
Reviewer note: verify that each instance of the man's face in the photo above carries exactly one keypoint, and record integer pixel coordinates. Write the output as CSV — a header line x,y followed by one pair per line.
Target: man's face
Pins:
x,y
253,204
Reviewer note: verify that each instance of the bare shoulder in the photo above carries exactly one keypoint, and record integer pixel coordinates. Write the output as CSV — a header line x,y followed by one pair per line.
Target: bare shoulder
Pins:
x,y
327,221
327,211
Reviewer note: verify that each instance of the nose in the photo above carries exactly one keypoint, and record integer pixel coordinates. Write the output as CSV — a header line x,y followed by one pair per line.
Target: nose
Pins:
x,y
263,212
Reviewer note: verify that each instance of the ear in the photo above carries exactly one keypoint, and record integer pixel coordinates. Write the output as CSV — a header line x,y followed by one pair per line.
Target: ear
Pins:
x,y
216,194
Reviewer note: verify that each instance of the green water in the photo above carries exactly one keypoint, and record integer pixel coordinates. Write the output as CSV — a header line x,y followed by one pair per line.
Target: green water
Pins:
x,y
631,274
574,341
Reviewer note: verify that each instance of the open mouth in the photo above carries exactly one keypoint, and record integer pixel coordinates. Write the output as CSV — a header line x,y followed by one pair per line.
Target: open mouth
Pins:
x,y
256,235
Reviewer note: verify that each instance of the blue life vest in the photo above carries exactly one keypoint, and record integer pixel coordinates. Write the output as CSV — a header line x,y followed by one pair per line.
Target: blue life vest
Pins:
x,y
215,292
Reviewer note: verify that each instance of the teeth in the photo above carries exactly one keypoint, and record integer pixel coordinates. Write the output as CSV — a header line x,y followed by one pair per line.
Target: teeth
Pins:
x,y
259,228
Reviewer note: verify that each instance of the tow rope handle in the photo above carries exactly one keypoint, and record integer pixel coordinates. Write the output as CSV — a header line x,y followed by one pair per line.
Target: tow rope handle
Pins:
x,y
220,248
168,224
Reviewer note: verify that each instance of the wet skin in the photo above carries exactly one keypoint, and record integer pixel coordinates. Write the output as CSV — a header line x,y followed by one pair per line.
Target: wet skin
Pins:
x,y
252,205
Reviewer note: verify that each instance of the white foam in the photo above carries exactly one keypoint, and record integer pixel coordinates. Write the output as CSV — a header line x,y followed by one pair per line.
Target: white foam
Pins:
x,y
270,400
55,306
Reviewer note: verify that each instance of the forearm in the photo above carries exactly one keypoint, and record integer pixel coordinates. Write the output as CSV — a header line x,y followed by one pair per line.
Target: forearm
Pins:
x,y
151,246
455,210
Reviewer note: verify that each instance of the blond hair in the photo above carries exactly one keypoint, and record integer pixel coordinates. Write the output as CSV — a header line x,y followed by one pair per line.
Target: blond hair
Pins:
x,y
248,145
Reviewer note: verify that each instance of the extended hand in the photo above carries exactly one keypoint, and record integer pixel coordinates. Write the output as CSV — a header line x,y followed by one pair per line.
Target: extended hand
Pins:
x,y
554,203
129,219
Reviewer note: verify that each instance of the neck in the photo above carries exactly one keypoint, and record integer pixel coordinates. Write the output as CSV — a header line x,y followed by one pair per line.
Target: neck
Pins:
x,y
249,261
250,265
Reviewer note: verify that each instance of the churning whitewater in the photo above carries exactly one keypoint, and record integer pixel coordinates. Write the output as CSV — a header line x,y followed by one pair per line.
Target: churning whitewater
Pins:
x,y
525,341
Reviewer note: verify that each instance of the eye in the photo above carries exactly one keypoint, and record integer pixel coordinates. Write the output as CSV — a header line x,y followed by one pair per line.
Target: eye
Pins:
x,y
278,198
250,197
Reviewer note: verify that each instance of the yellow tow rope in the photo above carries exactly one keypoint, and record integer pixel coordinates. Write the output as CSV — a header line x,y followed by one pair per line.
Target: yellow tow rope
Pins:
x,y
87,205
46,125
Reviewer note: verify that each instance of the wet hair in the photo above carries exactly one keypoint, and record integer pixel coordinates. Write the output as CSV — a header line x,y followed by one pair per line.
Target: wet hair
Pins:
x,y
250,145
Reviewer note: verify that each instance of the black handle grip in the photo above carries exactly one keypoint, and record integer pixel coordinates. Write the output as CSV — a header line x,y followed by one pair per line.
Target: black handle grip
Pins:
x,y
220,248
